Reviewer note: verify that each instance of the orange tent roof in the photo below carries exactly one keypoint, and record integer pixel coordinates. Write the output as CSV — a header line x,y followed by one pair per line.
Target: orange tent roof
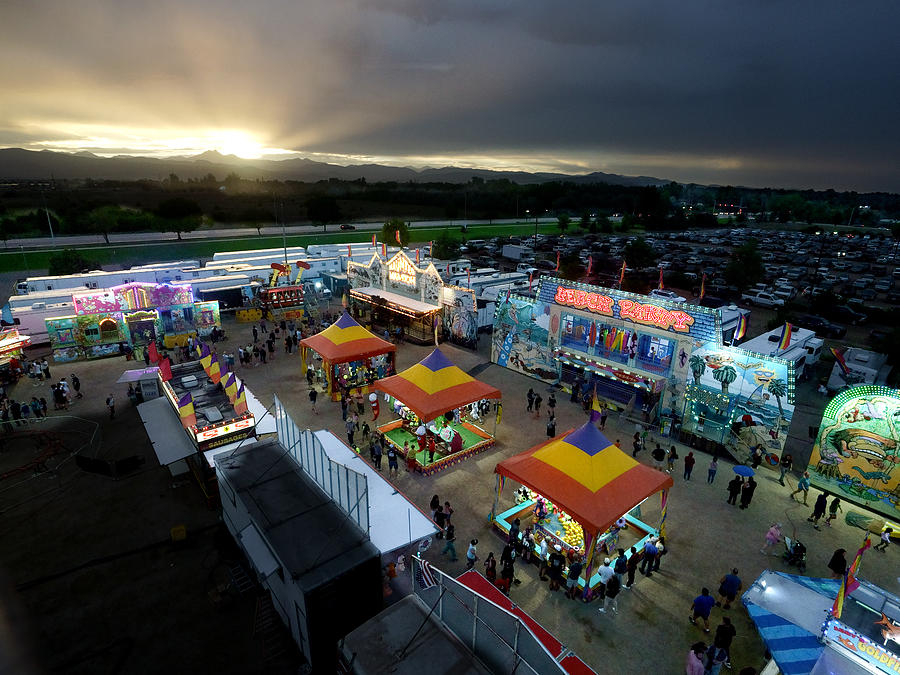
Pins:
x,y
586,476
434,385
345,340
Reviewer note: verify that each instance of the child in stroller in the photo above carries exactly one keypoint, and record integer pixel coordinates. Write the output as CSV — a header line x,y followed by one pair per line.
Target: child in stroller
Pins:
x,y
795,553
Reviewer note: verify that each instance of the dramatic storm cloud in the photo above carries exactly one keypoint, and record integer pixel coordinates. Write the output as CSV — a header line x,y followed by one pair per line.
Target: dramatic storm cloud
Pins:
x,y
764,93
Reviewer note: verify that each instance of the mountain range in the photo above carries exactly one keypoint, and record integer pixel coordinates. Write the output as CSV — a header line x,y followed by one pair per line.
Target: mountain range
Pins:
x,y
17,163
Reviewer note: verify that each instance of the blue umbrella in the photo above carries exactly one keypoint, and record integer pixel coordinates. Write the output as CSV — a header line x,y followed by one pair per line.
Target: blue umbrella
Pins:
x,y
743,470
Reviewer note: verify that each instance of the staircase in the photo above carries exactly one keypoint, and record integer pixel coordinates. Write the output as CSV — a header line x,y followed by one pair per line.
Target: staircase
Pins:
x,y
268,627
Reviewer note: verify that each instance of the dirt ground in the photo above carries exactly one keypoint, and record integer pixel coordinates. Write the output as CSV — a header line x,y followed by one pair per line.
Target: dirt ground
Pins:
x,y
90,562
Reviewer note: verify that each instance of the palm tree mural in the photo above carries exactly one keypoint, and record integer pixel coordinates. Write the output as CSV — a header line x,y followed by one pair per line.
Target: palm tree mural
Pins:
x,y
698,367
725,375
778,388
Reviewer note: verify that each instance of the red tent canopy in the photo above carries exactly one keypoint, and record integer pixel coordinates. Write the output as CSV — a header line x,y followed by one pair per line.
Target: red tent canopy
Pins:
x,y
345,340
586,476
434,385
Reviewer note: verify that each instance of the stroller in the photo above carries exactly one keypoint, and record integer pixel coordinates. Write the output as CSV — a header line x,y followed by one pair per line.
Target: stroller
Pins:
x,y
795,553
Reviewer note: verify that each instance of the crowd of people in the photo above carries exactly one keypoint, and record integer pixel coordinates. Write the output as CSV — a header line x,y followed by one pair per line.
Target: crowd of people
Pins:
x,y
19,413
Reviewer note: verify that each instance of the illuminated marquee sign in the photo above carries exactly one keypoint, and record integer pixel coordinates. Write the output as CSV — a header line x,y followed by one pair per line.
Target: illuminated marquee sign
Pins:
x,y
402,271
860,647
650,315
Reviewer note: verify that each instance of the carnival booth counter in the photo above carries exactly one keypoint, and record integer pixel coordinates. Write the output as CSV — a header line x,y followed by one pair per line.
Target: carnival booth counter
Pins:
x,y
442,412
352,357
583,493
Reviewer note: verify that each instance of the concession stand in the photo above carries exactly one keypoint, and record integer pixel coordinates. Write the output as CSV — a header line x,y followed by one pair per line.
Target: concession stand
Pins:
x,y
352,357
441,413
578,488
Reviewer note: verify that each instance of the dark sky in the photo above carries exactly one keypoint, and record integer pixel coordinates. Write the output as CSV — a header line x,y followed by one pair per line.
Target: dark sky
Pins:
x,y
765,93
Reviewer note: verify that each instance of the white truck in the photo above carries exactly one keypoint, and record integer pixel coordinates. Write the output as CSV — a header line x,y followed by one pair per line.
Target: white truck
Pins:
x,y
762,299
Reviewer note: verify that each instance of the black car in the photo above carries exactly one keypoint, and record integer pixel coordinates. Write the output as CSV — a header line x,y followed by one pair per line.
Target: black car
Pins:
x,y
347,226
847,314
821,326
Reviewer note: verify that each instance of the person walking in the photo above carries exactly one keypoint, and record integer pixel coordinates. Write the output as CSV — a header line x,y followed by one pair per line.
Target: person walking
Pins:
x,y
529,397
572,577
833,508
551,405
747,491
555,563
611,598
787,462
551,427
76,385
620,567
695,659
725,633
45,368
636,444
885,540
689,462
633,561
394,467
701,608
544,559
659,457
313,395
433,505
111,405
713,659
449,541
537,405
440,520
838,563
729,586
377,451
670,459
773,536
604,413
734,489
711,472
471,554
310,374
802,486
818,510
351,428
605,572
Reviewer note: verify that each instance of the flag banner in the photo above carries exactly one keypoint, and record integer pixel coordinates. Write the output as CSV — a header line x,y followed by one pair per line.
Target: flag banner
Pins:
x,y
231,387
785,341
702,286
417,256
384,250
530,279
849,582
842,363
153,352
425,575
741,329
349,251
240,401
374,243
165,369
186,410
558,253
660,278
431,249
590,263
469,278
622,274
206,360
214,372
397,237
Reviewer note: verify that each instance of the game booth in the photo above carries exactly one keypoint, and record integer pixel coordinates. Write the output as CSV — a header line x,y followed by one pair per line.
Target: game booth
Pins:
x,y
442,413
582,492
352,357
12,348
815,626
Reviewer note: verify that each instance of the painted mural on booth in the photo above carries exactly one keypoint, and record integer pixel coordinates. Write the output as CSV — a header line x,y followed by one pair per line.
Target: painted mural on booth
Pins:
x,y
728,387
856,451
460,316
522,339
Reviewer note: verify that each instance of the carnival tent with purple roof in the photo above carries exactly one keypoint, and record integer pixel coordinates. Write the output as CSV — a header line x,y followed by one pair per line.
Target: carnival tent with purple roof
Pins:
x,y
424,395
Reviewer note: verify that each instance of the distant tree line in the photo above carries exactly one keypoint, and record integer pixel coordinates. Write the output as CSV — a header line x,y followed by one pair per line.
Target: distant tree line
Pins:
x,y
175,205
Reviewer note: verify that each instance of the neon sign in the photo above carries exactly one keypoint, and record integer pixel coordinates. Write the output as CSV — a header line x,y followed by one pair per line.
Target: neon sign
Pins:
x,y
861,647
650,315
402,271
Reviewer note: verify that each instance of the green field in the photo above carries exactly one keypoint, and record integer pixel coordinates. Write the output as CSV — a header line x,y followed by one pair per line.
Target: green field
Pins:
x,y
36,260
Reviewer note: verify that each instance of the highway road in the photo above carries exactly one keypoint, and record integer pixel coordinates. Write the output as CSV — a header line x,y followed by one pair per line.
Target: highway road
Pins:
x,y
231,233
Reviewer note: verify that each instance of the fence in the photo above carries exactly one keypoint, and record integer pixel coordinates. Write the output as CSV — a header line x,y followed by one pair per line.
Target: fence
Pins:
x,y
346,487
500,640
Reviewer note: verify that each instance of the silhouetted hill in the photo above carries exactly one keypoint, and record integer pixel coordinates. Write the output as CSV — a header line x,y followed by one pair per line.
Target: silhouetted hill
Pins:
x,y
45,164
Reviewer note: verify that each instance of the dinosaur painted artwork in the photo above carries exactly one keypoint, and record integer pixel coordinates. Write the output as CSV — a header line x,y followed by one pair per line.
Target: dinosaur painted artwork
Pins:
x,y
856,451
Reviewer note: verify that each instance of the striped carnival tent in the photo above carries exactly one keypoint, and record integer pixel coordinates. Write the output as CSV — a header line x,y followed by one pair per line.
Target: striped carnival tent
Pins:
x,y
343,342
586,475
434,386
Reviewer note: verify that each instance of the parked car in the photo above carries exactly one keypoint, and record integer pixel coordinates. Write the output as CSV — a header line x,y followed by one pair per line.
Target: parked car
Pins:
x,y
664,294
847,315
347,226
821,326
763,299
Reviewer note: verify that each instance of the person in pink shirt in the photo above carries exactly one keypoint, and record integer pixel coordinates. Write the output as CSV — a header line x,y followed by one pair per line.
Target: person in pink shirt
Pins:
x,y
694,663
773,536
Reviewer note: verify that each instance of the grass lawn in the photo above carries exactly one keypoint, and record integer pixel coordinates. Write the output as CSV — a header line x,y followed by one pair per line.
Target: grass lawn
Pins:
x,y
37,260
